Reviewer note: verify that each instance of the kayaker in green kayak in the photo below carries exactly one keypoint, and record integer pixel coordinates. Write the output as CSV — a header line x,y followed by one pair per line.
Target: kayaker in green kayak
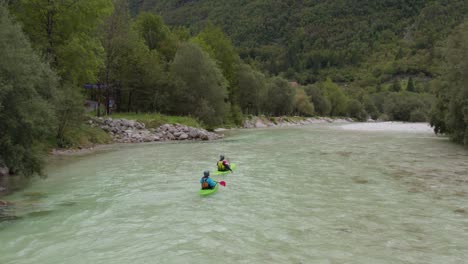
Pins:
x,y
207,182
223,164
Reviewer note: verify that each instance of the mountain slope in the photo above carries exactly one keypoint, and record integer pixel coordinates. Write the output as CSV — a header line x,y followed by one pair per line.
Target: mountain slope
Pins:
x,y
305,39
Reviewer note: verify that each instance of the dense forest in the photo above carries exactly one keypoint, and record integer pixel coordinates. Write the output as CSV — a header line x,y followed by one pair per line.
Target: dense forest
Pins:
x,y
219,61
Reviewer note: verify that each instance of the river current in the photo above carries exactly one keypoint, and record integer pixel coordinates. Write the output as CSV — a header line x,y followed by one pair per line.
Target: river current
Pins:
x,y
314,194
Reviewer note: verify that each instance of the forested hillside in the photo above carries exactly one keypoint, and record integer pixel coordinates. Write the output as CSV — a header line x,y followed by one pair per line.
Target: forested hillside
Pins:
x,y
308,40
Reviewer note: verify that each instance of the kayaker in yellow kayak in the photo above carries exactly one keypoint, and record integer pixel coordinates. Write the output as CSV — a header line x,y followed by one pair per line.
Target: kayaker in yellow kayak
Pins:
x,y
207,182
223,164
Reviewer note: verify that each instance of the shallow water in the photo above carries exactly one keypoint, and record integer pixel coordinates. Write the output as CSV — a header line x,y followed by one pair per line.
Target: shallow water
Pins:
x,y
316,194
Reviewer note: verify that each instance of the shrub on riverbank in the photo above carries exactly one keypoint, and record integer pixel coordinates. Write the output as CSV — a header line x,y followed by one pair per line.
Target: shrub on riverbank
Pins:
x,y
84,136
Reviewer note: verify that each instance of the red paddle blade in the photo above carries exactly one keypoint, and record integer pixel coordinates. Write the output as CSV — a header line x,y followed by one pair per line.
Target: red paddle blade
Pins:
x,y
222,183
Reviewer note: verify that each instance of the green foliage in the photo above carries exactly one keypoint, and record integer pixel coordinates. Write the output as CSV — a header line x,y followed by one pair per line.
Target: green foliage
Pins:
x,y
305,39
84,136
252,89
138,75
302,103
418,115
63,30
27,88
450,114
410,87
399,106
280,97
356,110
396,86
236,116
370,108
336,96
213,40
321,103
156,34
200,86
69,111
222,48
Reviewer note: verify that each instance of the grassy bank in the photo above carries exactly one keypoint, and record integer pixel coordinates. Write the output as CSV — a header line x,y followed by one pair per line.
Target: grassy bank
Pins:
x,y
84,136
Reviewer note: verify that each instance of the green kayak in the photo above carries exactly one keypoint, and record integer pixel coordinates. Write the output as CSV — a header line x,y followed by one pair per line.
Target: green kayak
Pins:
x,y
233,167
209,191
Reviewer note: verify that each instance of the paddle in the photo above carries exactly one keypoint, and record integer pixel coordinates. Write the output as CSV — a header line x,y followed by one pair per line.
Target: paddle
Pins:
x,y
222,183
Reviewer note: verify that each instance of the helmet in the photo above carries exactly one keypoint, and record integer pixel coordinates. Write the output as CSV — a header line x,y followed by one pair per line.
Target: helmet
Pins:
x,y
206,173
221,157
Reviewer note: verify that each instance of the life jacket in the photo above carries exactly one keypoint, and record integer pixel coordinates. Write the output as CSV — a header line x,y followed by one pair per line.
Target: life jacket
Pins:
x,y
221,166
205,184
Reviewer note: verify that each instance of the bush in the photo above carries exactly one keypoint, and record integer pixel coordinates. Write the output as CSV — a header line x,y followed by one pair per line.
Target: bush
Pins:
x,y
302,103
236,115
281,97
83,136
384,117
356,110
370,108
400,105
418,115
200,88
322,105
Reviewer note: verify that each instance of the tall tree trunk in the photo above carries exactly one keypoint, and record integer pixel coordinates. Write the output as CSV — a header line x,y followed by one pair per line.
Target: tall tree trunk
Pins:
x,y
49,27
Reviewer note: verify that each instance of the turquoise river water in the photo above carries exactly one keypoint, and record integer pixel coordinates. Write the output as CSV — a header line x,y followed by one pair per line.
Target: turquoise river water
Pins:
x,y
315,194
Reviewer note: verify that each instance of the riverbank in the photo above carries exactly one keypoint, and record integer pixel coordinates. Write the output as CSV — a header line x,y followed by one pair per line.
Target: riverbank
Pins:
x,y
390,127
284,121
123,130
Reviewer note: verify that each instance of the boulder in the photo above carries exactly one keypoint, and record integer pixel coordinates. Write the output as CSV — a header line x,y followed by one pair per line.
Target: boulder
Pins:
x,y
259,124
172,130
164,127
4,171
169,136
183,136
193,133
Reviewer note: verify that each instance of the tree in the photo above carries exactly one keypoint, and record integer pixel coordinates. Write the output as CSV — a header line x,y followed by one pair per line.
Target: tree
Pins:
x,y
302,103
115,38
370,108
280,97
396,86
156,34
200,87
27,92
399,106
410,87
450,114
322,105
252,89
140,81
69,108
213,40
356,110
64,32
336,96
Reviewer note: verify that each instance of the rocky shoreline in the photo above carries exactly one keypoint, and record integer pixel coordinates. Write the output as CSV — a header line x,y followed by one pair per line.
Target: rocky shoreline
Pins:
x,y
130,131
263,122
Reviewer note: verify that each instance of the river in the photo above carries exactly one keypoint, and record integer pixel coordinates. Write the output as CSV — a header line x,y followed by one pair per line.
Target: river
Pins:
x,y
314,194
